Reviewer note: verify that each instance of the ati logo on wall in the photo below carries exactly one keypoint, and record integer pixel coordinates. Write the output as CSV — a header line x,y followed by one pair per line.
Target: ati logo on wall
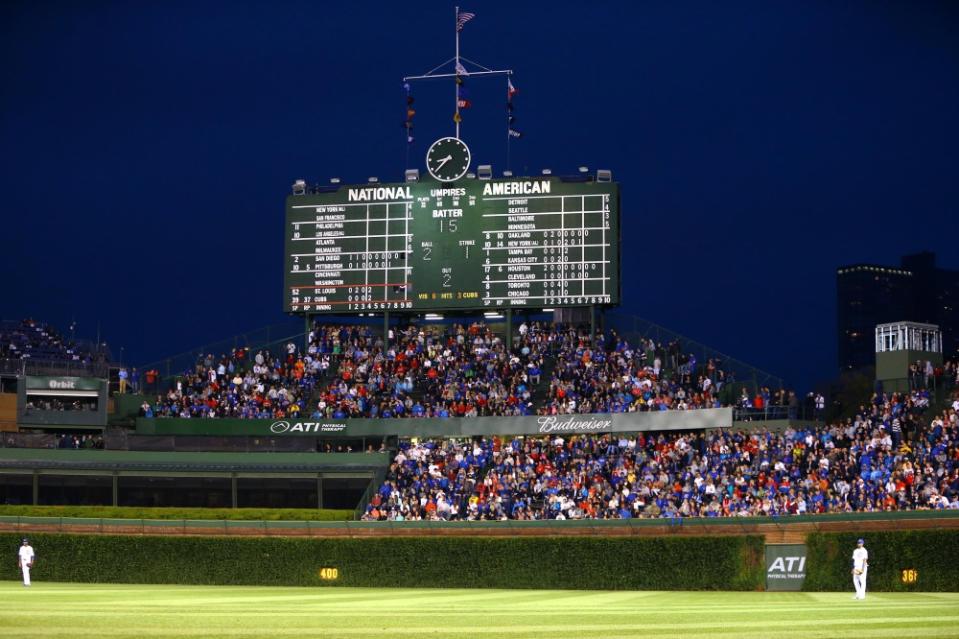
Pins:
x,y
785,566
284,427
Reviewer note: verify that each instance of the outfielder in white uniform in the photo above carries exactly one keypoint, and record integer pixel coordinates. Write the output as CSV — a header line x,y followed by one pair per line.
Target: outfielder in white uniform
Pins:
x,y
860,567
25,560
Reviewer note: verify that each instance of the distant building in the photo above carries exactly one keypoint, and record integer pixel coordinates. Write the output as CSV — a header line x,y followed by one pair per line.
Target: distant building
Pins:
x,y
869,294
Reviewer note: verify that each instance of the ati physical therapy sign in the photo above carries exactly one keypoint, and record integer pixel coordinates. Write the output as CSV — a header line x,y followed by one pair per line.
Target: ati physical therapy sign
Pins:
x,y
785,566
553,425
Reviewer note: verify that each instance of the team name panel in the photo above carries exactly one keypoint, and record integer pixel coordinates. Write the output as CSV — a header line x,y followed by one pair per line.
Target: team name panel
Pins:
x,y
473,244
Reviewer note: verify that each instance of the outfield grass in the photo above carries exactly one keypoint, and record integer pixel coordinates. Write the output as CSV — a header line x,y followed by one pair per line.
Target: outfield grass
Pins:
x,y
147,612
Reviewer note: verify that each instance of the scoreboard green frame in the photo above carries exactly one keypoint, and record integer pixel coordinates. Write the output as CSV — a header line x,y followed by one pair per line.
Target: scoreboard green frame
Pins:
x,y
473,244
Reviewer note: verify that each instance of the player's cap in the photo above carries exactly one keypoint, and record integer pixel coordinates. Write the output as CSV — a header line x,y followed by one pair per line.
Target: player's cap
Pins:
x,y
26,541
861,541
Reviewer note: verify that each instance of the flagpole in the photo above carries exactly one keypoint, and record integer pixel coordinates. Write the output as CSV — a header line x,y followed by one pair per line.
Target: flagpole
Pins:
x,y
456,84
459,71
508,124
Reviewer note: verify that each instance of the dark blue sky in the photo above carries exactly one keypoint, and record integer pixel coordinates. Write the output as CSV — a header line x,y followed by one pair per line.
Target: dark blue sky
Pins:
x,y
147,149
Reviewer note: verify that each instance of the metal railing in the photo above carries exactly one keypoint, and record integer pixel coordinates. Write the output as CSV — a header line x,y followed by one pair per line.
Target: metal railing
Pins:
x,y
634,327
771,413
265,337
727,525
31,366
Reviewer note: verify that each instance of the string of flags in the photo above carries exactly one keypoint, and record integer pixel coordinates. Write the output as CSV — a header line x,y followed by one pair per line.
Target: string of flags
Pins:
x,y
511,91
462,102
410,112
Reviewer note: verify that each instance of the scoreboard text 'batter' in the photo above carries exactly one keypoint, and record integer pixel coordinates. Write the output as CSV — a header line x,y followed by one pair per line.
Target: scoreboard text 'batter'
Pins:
x,y
472,244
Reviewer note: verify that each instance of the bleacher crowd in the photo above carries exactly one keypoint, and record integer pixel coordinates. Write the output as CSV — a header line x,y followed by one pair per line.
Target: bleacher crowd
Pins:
x,y
445,371
889,457
32,339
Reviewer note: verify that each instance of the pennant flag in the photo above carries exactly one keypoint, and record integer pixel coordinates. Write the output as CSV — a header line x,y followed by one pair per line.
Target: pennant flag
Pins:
x,y
463,104
460,69
513,133
509,106
511,118
459,80
510,89
462,18
457,118
408,124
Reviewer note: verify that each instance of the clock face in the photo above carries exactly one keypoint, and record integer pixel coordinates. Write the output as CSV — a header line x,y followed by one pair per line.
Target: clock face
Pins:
x,y
448,159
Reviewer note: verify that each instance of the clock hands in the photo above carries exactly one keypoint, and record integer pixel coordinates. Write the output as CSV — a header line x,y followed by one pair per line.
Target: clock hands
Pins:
x,y
455,163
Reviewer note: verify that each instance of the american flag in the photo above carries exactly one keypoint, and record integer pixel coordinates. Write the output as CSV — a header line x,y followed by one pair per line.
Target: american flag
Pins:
x,y
462,18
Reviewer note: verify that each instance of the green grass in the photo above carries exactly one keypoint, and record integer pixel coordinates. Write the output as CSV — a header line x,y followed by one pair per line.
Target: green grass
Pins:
x,y
208,514
147,612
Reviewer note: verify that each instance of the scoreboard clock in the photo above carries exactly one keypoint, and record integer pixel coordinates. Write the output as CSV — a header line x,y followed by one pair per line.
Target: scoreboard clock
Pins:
x,y
511,243
448,159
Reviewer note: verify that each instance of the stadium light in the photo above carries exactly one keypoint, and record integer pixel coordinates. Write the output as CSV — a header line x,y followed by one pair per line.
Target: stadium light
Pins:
x,y
299,187
604,175
372,179
485,171
507,174
433,317
470,176
334,180
584,170
412,175
547,171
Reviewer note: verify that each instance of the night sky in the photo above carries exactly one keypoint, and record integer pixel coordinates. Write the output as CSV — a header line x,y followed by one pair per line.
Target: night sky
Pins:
x,y
147,148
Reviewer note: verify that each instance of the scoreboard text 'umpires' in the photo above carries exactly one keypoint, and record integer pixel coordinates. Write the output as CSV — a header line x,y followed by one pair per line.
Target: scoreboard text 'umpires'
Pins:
x,y
473,244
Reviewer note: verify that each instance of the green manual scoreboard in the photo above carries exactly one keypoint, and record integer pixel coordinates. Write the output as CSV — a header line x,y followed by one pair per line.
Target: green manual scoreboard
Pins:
x,y
511,243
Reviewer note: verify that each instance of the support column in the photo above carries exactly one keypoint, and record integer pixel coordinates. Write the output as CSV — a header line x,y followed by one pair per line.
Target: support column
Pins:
x,y
233,490
592,323
386,330
116,489
319,490
306,331
509,330
36,488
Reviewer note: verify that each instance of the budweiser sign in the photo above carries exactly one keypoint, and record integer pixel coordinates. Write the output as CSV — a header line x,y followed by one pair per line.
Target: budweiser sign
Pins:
x,y
578,423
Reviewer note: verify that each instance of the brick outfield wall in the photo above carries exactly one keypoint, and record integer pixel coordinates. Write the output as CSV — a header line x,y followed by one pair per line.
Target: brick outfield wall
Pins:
x,y
779,532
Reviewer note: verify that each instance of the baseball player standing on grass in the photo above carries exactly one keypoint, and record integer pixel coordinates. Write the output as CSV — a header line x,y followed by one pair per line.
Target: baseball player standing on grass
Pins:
x,y
860,566
25,560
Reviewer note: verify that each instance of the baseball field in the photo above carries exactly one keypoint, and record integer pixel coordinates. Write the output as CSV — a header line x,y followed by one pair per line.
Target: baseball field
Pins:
x,y
146,612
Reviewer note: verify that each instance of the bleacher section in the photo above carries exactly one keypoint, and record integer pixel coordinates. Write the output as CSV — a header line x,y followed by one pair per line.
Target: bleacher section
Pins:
x,y
892,457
